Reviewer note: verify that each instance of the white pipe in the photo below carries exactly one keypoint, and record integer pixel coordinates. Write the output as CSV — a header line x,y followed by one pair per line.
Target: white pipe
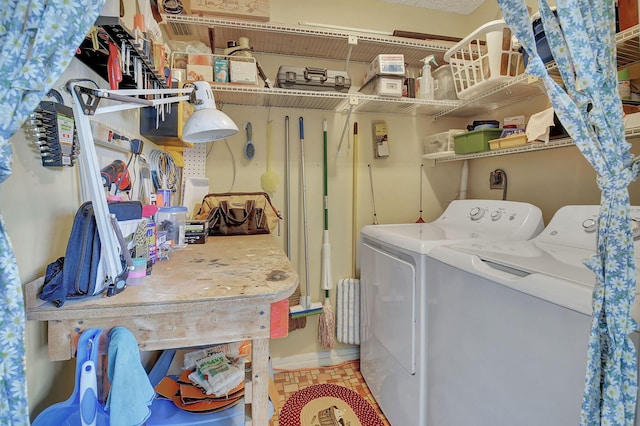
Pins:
x,y
464,178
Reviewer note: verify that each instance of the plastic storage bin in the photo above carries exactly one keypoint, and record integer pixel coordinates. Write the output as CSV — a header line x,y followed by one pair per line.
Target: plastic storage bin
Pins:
x,y
173,221
474,141
484,59
443,84
441,142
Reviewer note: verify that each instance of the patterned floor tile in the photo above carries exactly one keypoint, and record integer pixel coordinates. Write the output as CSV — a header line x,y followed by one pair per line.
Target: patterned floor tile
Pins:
x,y
346,374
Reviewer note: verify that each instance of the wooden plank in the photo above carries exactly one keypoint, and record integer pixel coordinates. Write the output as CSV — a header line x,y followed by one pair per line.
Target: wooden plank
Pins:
x,y
165,331
260,381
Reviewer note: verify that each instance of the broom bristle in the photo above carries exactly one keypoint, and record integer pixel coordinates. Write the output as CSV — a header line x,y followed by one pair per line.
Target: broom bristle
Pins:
x,y
297,323
326,326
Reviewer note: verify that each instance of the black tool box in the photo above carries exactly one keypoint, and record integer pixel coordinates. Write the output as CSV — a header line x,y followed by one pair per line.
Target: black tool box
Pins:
x,y
310,78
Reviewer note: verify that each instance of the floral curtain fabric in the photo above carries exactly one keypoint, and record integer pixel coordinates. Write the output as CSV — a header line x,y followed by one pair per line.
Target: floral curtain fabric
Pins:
x,y
582,41
38,39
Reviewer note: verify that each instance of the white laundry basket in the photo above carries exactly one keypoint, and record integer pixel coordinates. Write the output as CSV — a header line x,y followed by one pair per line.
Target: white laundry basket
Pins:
x,y
486,58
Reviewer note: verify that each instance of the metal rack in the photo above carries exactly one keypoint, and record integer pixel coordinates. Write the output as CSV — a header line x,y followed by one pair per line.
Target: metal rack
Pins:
x,y
118,33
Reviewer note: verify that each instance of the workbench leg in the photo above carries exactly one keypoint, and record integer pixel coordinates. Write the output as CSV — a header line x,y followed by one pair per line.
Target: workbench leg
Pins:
x,y
260,382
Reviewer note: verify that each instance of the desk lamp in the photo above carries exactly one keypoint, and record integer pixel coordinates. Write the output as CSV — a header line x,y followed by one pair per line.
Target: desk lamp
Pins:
x,y
204,125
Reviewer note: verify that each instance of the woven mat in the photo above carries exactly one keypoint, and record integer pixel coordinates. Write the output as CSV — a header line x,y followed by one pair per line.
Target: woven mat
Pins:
x,y
328,405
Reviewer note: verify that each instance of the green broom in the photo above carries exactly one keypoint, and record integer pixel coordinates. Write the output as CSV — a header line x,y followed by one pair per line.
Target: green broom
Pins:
x,y
326,324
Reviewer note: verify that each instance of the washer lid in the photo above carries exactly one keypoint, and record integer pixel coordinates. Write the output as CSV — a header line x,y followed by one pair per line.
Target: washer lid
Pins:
x,y
534,257
420,237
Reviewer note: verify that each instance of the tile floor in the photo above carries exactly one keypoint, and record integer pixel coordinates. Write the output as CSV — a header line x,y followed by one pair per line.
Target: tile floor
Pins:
x,y
346,374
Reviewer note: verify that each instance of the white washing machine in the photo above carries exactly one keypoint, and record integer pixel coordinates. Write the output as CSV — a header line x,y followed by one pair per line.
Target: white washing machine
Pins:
x,y
394,279
509,324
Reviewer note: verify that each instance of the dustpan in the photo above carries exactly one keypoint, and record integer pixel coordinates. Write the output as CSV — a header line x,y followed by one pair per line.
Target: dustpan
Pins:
x,y
82,407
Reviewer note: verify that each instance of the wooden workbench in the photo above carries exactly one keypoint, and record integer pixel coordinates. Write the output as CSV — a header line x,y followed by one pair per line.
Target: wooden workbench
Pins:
x,y
204,294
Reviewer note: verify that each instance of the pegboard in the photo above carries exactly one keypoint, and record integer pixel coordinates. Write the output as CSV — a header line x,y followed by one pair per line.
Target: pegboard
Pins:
x,y
195,161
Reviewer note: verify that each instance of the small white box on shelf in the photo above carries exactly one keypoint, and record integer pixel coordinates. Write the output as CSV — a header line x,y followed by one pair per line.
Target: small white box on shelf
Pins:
x,y
390,64
199,73
243,70
441,142
384,86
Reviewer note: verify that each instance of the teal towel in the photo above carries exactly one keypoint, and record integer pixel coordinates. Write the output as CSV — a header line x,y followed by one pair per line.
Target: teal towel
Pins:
x,y
131,393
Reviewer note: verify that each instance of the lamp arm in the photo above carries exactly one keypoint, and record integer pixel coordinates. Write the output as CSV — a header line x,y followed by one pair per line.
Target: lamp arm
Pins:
x,y
89,98
90,174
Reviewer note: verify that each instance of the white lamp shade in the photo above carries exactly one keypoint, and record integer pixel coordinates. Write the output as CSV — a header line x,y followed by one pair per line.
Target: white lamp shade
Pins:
x,y
207,123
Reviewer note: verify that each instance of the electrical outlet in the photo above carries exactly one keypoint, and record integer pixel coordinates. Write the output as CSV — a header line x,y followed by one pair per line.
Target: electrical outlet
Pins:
x,y
496,179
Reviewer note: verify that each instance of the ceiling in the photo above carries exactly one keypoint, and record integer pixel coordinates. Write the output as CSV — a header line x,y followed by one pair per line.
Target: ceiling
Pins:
x,y
463,7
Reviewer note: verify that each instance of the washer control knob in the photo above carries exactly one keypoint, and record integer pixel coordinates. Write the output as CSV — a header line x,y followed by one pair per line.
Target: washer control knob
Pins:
x,y
496,215
589,225
476,213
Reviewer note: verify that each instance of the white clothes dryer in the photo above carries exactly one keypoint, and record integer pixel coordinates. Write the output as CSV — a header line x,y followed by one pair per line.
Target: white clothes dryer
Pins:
x,y
509,325
394,280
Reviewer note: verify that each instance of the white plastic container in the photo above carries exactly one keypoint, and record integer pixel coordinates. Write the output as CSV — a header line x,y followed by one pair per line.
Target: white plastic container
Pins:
x,y
173,221
441,142
443,88
384,86
486,58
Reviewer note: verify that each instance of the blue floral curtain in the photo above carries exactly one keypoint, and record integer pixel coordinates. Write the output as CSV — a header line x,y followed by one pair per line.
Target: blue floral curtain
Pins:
x,y
38,38
582,41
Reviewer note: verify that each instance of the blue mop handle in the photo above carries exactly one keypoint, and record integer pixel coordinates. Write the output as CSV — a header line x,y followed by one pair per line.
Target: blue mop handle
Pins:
x,y
301,122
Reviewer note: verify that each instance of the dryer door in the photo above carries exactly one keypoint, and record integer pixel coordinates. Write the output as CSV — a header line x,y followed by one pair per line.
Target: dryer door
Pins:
x,y
388,296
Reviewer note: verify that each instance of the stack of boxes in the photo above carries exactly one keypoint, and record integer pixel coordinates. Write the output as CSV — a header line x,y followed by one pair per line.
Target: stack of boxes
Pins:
x,y
188,67
385,76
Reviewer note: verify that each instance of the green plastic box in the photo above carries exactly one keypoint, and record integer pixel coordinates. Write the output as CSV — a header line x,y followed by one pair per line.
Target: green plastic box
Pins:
x,y
474,141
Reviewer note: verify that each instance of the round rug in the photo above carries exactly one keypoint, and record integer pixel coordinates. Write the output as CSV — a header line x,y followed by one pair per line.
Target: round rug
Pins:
x,y
328,405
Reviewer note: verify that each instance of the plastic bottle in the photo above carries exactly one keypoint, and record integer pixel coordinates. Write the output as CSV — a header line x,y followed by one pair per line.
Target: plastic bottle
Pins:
x,y
424,83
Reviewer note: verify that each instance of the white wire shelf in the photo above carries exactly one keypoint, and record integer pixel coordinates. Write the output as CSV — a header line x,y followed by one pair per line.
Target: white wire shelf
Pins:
x,y
445,157
236,94
280,39
557,143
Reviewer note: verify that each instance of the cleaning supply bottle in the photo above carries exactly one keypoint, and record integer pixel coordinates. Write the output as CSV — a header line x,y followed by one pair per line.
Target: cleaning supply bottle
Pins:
x,y
424,83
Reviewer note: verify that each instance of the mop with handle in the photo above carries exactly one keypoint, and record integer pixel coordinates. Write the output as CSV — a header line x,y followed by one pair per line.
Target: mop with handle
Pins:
x,y
327,320
305,308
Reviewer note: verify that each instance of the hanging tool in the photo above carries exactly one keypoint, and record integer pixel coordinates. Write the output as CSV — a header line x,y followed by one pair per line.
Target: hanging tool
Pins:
x,y
373,199
347,310
249,148
300,322
327,322
305,308
113,66
269,179
420,219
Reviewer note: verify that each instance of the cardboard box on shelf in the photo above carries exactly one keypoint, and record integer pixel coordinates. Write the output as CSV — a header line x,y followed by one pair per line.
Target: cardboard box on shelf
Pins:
x,y
386,64
243,70
221,70
199,73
